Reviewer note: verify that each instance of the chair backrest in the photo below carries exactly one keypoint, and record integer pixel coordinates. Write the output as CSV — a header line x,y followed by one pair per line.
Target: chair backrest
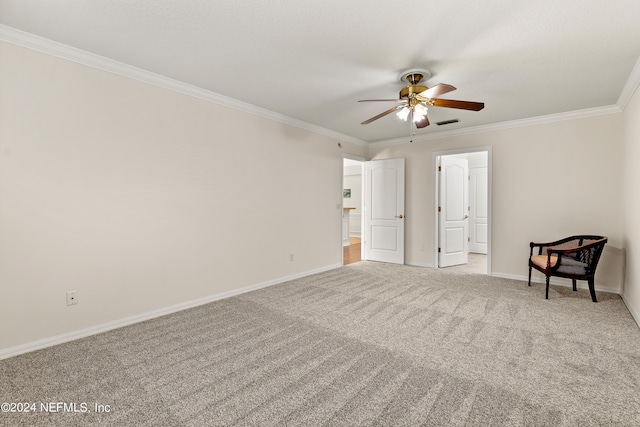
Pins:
x,y
591,251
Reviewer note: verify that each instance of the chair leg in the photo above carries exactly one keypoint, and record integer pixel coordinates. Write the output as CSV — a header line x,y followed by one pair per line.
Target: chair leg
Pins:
x,y
592,289
547,293
529,273
574,285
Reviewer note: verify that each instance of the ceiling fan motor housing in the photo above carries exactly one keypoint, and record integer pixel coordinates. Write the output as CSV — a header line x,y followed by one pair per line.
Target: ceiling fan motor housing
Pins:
x,y
413,77
407,91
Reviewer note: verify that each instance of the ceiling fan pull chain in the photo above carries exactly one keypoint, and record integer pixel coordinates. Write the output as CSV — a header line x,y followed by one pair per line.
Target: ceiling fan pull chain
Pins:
x,y
412,128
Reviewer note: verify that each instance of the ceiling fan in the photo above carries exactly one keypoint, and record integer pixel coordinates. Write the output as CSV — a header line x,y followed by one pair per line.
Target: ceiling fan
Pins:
x,y
415,98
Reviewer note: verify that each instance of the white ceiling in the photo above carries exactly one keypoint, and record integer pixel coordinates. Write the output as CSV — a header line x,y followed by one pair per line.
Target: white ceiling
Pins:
x,y
313,60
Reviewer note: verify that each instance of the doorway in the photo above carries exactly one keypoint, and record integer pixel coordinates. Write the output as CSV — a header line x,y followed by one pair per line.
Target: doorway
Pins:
x,y
352,208
463,210
373,209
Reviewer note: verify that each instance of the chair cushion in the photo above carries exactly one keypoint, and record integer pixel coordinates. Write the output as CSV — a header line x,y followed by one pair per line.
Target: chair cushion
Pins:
x,y
568,264
541,260
572,266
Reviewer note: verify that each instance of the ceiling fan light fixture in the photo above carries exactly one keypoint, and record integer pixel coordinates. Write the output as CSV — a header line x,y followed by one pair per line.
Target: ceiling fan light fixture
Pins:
x,y
419,113
403,113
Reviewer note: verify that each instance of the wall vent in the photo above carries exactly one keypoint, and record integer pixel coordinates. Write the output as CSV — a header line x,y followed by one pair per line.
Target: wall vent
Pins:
x,y
447,122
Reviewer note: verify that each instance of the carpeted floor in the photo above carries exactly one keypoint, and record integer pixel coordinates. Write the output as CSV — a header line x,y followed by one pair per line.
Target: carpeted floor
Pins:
x,y
366,344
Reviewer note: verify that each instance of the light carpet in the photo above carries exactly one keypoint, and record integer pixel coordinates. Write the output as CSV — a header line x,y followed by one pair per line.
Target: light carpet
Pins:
x,y
367,344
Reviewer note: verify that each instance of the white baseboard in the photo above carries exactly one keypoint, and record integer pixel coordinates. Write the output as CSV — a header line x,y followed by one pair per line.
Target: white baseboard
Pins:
x,y
557,282
419,264
104,327
634,313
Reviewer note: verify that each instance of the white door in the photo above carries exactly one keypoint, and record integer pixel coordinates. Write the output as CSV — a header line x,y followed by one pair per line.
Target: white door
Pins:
x,y
453,211
384,211
479,213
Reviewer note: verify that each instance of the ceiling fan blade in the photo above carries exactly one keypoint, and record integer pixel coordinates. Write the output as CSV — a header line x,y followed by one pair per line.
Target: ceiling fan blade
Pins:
x,y
437,90
389,111
462,105
423,123
382,100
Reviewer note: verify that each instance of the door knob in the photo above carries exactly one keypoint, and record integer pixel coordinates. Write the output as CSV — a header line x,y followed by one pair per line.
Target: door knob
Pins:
x,y
400,216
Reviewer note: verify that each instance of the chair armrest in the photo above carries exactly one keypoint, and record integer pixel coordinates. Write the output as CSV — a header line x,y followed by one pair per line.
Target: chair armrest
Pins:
x,y
558,242
541,246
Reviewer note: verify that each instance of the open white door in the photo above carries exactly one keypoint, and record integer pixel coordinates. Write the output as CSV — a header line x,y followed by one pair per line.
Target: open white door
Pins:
x,y
453,212
384,211
479,213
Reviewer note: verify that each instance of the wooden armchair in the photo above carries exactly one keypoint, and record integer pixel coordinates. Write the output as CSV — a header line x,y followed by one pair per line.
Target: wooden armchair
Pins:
x,y
574,257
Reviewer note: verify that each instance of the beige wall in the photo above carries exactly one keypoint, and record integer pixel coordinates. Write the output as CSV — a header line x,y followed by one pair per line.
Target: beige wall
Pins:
x,y
549,181
631,204
141,198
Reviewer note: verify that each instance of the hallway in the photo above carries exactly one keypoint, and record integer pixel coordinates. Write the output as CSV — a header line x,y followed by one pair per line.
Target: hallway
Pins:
x,y
477,265
353,251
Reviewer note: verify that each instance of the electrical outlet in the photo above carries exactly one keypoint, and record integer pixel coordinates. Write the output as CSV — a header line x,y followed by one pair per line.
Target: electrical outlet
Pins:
x,y
291,257
72,297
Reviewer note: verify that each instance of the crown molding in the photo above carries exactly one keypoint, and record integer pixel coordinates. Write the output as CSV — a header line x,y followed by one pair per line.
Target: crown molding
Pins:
x,y
571,115
630,87
50,47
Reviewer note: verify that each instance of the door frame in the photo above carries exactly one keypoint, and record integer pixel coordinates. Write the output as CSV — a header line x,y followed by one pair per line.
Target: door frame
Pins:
x,y
436,155
361,160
